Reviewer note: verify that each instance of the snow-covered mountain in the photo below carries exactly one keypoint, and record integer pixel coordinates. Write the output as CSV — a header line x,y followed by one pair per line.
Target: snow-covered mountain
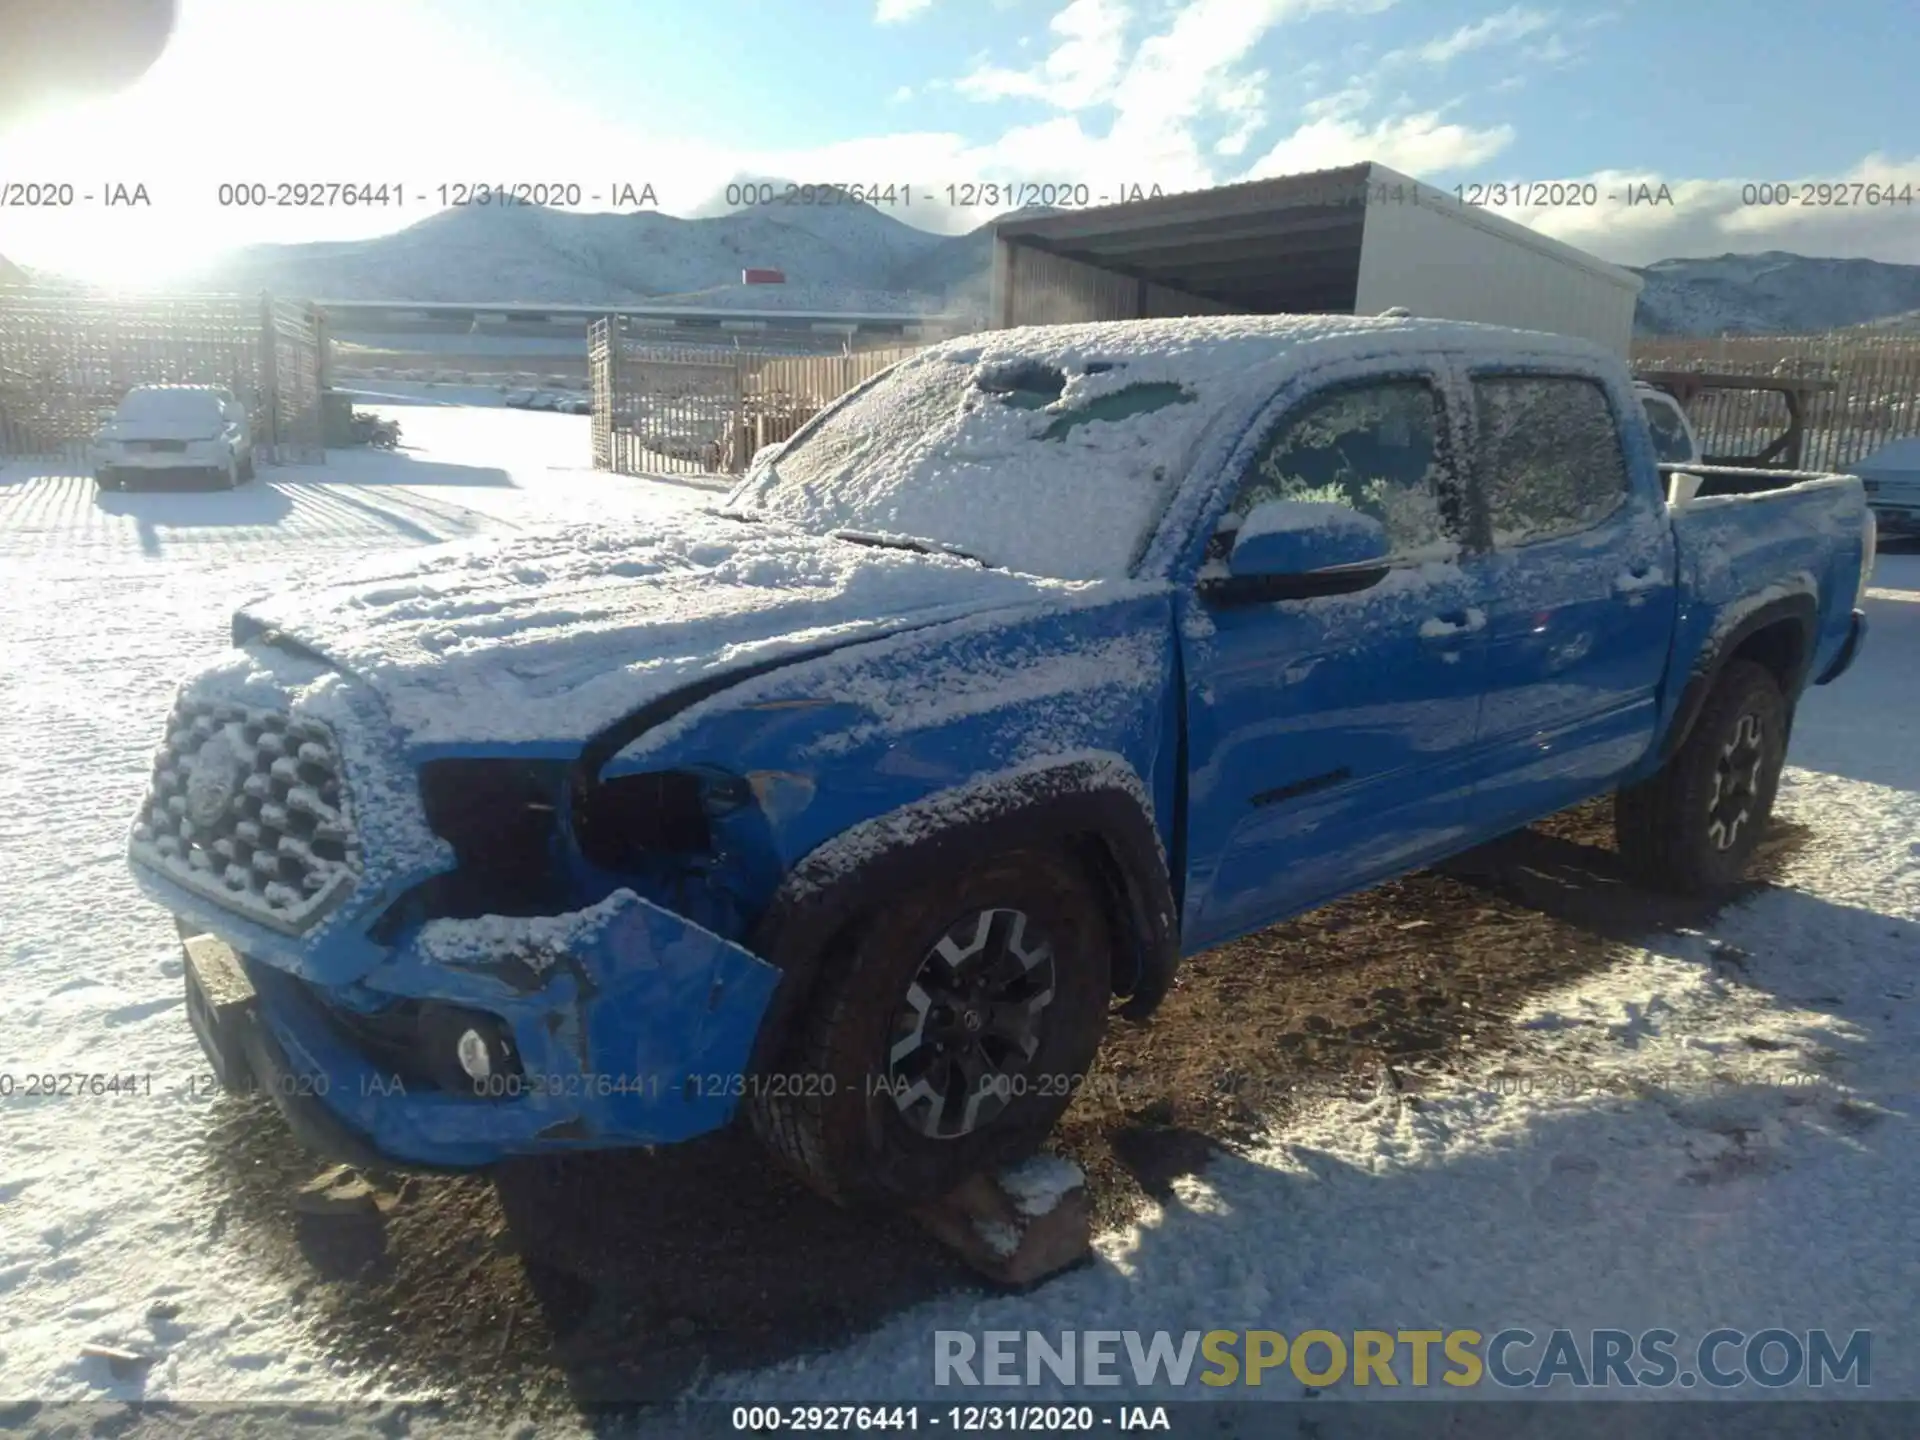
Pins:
x,y
842,257
1772,293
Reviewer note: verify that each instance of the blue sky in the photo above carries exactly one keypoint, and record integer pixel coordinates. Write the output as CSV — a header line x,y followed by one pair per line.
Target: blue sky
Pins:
x,y
1701,95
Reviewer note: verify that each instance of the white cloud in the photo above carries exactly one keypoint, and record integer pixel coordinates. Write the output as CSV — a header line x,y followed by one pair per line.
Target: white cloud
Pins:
x,y
902,95
1552,51
893,12
1503,28
1711,217
1080,70
1420,145
1184,97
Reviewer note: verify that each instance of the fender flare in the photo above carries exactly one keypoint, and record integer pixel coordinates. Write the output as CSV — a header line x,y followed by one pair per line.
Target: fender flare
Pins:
x,y
1802,609
1080,805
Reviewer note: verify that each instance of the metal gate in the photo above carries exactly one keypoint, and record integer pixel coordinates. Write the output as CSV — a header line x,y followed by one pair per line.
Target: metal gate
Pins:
x,y
68,357
662,409
671,409
601,346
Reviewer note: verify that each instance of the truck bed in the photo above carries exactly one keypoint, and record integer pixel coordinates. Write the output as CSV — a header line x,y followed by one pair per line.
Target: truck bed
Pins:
x,y
1762,536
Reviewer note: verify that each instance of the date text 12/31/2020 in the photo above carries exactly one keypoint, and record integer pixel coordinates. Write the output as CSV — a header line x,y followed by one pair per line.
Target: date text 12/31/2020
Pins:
x,y
990,194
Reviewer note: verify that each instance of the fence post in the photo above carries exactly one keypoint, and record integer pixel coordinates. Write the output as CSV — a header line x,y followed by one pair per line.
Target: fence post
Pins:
x,y
742,441
270,374
322,348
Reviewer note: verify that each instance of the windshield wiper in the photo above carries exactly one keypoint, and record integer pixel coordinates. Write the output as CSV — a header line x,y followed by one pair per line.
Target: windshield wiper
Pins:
x,y
910,543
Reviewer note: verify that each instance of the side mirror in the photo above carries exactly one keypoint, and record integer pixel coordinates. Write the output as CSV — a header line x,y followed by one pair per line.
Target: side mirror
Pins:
x,y
1296,549
1682,488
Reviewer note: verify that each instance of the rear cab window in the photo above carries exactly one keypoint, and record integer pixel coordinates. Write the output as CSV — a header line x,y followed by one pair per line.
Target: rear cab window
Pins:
x,y
1549,459
1672,444
172,404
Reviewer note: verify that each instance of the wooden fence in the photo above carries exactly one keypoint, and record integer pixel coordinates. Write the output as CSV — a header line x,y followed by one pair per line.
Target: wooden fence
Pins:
x,y
68,357
1876,394
662,408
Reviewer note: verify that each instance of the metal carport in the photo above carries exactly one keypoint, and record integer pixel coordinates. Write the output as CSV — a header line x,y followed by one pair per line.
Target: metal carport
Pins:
x,y
1353,240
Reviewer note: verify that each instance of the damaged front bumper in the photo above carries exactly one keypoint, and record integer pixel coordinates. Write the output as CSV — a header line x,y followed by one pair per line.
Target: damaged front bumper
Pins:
x,y
621,1025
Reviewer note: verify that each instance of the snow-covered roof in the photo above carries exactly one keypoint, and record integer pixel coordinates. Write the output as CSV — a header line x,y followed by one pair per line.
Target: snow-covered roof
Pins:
x,y
1054,449
165,402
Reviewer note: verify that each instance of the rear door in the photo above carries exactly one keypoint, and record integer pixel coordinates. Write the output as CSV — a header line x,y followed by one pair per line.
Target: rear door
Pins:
x,y
1327,736
1580,586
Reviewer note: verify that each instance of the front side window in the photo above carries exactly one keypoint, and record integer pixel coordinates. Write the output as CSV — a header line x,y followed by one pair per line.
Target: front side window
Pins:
x,y
1550,461
1373,447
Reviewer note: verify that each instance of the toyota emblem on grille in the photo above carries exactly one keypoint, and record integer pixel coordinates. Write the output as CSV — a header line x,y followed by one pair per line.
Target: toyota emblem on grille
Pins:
x,y
213,778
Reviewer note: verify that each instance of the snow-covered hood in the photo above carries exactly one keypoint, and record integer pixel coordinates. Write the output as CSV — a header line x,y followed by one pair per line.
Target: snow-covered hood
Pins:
x,y
548,637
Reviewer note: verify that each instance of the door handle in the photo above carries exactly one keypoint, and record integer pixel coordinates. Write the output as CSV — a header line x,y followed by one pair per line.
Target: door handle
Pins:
x,y
1452,625
1638,580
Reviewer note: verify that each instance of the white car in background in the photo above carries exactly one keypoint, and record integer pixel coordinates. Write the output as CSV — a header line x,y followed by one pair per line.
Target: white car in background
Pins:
x,y
163,432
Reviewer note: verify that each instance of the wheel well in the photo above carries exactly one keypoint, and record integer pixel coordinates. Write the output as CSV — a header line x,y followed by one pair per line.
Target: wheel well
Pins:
x,y
1781,648
1094,855
1103,832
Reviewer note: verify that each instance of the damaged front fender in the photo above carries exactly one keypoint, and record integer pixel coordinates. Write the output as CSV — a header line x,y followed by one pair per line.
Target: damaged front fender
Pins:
x,y
630,1025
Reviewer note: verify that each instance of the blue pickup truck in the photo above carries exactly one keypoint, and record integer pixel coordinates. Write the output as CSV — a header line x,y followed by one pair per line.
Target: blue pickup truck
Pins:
x,y
855,804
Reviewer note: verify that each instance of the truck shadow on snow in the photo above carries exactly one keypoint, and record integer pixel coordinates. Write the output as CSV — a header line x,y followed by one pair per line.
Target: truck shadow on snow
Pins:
x,y
631,1276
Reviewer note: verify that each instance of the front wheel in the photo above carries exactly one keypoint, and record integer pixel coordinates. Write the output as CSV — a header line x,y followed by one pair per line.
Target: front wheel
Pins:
x,y
948,1038
1693,826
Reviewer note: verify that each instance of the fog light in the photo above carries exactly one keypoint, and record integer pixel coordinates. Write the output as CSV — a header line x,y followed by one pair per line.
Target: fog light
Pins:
x,y
468,1051
473,1056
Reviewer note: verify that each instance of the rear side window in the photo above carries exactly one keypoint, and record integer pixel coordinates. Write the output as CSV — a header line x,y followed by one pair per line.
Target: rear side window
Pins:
x,y
1374,447
1670,442
1550,461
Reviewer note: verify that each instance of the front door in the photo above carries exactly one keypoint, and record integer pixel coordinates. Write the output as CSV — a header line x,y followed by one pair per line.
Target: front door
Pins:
x,y
1327,736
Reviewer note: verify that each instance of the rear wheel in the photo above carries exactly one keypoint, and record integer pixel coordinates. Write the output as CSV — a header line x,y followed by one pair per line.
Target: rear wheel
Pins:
x,y
948,1038
1693,826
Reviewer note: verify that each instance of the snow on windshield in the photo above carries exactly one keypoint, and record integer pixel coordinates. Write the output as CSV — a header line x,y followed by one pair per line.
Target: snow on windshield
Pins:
x,y
169,403
1050,452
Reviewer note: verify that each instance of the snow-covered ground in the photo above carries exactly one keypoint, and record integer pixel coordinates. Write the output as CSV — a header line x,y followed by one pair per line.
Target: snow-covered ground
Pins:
x,y
106,1206
1722,1132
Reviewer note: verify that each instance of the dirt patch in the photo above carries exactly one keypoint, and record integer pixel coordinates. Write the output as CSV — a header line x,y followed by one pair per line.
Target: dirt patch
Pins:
x,y
626,1277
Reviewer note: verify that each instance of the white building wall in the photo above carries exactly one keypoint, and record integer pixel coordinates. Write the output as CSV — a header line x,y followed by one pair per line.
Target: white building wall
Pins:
x,y
1451,261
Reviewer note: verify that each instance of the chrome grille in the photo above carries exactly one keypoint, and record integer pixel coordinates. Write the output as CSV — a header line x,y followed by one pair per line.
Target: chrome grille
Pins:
x,y
248,808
